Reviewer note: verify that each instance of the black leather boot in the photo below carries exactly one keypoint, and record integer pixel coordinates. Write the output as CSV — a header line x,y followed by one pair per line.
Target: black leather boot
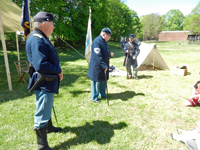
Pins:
x,y
42,139
50,128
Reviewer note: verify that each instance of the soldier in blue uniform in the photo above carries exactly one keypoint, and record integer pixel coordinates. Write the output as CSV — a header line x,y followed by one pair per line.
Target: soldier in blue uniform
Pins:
x,y
99,64
134,51
43,59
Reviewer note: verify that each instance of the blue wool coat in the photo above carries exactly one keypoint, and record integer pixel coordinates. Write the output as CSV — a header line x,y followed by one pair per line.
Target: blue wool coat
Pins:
x,y
43,57
135,51
99,61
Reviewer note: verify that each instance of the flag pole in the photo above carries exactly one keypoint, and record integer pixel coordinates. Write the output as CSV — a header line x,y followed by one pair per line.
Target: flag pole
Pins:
x,y
29,12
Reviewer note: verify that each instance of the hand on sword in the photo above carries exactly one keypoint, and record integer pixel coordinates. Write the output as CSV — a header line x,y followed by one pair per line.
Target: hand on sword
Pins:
x,y
106,88
105,70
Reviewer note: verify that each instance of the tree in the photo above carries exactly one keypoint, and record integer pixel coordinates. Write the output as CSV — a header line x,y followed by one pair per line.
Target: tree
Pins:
x,y
71,17
152,25
173,20
192,21
122,20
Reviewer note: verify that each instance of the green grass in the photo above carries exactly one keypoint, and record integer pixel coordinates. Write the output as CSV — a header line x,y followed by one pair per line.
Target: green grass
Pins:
x,y
141,115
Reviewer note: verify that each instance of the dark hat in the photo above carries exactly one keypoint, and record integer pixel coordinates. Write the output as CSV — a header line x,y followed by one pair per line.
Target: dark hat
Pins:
x,y
107,30
43,16
131,36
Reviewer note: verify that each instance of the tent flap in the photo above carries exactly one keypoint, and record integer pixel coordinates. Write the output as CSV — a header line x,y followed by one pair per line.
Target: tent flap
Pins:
x,y
11,16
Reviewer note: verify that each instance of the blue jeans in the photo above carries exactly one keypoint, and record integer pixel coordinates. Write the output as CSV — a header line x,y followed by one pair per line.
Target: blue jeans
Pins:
x,y
98,89
44,104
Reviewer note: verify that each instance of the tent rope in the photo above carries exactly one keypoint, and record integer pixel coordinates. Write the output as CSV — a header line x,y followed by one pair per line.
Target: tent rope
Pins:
x,y
71,46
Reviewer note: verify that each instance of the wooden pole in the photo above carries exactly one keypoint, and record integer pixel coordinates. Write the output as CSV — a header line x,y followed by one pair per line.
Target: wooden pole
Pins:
x,y
18,49
29,13
5,55
17,43
154,56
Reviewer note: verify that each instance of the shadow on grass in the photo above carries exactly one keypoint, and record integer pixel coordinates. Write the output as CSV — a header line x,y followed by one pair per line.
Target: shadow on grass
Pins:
x,y
99,131
197,105
145,76
124,96
20,89
188,73
77,93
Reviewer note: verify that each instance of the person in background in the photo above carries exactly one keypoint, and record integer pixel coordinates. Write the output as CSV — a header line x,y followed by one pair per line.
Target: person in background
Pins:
x,y
123,43
43,59
99,65
132,49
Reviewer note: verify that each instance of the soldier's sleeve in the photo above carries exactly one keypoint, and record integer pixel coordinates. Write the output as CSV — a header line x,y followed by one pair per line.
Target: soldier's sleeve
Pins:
x,y
40,58
137,49
98,55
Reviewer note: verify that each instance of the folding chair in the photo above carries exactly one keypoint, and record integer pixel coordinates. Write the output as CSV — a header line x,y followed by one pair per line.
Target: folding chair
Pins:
x,y
22,68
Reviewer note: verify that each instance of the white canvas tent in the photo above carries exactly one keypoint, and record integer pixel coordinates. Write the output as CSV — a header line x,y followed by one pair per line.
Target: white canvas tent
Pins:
x,y
150,56
10,18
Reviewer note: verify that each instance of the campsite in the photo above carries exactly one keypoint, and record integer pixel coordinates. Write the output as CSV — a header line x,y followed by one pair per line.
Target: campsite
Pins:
x,y
141,115
138,113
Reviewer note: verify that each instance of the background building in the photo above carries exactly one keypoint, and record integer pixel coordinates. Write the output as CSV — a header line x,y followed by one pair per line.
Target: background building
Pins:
x,y
173,36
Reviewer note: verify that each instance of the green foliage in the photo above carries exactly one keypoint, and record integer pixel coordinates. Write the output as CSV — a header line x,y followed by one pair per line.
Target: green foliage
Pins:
x,y
152,26
192,21
18,2
196,10
173,20
71,18
122,20
10,36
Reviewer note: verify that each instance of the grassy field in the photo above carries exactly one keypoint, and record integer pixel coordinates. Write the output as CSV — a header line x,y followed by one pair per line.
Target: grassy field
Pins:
x,y
141,115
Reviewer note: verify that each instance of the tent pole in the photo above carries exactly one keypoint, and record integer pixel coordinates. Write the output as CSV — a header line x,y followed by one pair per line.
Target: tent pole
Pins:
x,y
17,47
154,47
5,55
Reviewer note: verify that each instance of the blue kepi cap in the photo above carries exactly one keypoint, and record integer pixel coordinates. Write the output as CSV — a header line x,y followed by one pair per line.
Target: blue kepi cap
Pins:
x,y
43,16
131,36
107,30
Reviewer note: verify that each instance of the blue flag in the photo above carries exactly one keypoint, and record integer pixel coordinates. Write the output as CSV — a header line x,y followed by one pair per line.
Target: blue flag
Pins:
x,y
25,23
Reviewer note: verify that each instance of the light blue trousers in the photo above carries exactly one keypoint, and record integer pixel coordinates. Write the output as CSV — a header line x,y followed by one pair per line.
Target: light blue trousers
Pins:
x,y
134,69
44,104
98,89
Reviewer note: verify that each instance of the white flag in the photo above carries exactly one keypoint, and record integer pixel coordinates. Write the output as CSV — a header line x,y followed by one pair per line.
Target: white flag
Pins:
x,y
88,42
